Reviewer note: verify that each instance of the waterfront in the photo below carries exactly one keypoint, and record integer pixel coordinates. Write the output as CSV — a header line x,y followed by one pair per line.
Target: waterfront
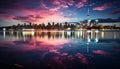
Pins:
x,y
84,49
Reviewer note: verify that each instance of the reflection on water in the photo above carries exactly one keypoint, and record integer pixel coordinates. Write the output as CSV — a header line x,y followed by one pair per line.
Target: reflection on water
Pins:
x,y
53,35
61,49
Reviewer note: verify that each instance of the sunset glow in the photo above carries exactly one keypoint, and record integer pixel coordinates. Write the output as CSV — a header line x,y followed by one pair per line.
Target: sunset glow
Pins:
x,y
59,34
44,11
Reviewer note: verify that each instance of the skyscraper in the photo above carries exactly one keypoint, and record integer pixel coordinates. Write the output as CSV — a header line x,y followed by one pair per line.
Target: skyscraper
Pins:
x,y
88,17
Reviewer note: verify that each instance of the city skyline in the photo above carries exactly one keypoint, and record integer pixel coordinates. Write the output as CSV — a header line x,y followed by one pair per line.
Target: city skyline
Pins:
x,y
59,34
40,11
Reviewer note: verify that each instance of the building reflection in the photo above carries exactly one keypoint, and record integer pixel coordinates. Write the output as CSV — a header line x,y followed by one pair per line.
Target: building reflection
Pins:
x,y
88,40
60,37
102,35
87,35
96,36
4,34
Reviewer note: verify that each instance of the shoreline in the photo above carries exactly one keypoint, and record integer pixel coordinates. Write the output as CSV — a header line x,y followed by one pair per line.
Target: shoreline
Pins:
x,y
64,30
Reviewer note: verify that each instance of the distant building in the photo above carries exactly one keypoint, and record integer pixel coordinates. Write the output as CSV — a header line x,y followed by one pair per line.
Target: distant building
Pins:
x,y
117,24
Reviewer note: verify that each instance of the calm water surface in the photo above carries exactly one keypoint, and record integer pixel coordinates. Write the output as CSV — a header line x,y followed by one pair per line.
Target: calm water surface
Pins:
x,y
60,49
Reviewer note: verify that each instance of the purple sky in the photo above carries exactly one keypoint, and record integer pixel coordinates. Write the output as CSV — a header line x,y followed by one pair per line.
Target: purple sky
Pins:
x,y
44,11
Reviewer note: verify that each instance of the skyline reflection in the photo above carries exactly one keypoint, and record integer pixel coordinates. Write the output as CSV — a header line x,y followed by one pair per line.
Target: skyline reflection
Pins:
x,y
87,35
61,49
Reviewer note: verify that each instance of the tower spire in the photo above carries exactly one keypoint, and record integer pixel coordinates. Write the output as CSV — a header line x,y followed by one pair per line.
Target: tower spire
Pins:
x,y
88,14
88,17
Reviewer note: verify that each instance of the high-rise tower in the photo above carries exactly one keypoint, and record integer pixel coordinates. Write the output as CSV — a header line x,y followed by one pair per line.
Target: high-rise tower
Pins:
x,y
88,17
88,14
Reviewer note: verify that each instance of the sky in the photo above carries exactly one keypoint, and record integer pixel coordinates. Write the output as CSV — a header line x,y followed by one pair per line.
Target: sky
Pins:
x,y
44,11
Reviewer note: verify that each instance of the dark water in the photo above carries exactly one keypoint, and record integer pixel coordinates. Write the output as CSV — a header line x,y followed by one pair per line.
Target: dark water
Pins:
x,y
60,49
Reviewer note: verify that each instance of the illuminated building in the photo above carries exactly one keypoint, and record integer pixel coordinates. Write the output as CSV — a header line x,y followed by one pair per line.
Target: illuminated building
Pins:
x,y
88,17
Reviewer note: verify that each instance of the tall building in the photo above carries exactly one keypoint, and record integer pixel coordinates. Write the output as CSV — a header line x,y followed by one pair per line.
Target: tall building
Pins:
x,y
88,17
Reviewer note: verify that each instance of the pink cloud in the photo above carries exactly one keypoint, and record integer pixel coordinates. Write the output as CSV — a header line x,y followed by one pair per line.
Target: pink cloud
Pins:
x,y
54,51
56,2
64,6
103,7
46,14
54,9
80,4
82,58
42,16
59,2
101,52
84,0
43,6
53,14
70,57
7,17
62,3
64,54
71,2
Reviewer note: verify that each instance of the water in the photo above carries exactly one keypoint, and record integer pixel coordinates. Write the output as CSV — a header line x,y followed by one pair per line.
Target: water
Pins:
x,y
60,49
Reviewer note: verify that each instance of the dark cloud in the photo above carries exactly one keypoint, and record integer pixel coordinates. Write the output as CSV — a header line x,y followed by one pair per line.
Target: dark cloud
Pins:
x,y
106,20
103,7
3,12
17,4
8,4
116,11
29,18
